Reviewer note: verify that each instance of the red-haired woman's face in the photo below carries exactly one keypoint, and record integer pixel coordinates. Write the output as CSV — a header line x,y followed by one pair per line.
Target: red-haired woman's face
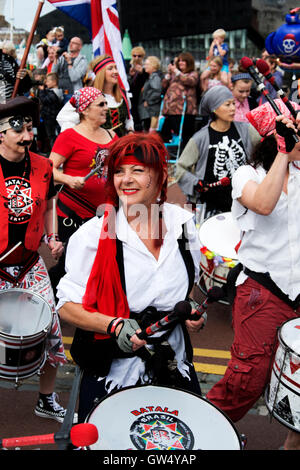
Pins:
x,y
136,184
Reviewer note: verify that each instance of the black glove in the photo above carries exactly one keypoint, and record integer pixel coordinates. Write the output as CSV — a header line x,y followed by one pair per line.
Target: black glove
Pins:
x,y
200,186
287,137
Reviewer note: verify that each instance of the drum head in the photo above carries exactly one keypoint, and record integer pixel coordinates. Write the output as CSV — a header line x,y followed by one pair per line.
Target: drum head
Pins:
x,y
161,418
220,234
289,335
23,313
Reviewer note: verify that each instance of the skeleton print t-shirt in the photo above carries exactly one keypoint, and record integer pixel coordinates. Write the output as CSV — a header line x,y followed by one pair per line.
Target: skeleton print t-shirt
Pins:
x,y
226,154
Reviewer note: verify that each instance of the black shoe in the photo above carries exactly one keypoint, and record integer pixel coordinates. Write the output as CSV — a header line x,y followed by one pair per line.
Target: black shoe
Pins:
x,y
48,407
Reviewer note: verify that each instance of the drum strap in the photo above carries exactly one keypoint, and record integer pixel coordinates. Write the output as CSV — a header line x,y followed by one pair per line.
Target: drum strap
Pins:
x,y
24,270
265,280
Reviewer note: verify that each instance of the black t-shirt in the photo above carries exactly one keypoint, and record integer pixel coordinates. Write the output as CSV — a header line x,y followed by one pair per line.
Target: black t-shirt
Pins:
x,y
20,202
226,154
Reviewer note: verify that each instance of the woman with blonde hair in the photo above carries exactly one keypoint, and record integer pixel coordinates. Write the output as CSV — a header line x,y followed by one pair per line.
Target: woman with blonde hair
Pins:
x,y
106,79
150,98
103,75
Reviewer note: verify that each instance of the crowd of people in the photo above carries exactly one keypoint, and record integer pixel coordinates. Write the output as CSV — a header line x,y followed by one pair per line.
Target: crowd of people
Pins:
x,y
99,154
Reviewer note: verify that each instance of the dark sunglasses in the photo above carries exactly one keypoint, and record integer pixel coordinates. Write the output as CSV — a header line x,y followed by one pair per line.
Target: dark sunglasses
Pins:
x,y
136,55
102,104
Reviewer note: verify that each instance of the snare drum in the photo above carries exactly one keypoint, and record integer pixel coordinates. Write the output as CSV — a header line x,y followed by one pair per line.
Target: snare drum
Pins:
x,y
152,418
219,236
25,321
283,393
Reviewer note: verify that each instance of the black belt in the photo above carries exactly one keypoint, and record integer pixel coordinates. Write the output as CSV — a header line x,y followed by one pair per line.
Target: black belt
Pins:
x,y
70,213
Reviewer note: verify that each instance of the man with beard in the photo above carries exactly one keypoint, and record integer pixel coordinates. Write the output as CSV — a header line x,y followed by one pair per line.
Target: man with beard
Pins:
x,y
26,214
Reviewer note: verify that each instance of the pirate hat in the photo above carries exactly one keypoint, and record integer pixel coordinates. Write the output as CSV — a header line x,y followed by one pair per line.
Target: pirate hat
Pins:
x,y
19,107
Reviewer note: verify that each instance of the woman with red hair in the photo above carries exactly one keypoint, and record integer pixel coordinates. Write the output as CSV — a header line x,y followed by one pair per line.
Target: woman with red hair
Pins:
x,y
126,270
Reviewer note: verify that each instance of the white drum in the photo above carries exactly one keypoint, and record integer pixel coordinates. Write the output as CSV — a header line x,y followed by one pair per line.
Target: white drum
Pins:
x,y
161,418
219,235
25,321
283,393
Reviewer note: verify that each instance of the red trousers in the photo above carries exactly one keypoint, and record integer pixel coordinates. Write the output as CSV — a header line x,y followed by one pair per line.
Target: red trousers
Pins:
x,y
257,315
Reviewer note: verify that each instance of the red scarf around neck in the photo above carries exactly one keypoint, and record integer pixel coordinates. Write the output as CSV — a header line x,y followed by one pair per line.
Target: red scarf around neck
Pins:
x,y
104,292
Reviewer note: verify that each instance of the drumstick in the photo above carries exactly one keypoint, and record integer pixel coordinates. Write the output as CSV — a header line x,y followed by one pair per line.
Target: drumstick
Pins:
x,y
92,172
118,125
181,312
54,221
10,251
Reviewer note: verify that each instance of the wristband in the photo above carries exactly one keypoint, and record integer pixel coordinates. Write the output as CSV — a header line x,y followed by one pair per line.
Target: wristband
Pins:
x,y
111,329
52,236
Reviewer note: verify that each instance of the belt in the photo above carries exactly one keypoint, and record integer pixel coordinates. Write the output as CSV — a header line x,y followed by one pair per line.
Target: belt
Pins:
x,y
70,213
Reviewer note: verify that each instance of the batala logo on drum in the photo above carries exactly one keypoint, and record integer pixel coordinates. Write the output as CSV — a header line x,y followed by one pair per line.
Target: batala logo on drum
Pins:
x,y
158,428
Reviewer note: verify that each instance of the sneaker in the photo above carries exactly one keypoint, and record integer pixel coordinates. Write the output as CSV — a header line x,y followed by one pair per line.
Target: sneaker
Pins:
x,y
48,407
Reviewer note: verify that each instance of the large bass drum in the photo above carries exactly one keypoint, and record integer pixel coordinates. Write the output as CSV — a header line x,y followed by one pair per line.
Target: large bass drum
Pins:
x,y
283,393
150,417
25,321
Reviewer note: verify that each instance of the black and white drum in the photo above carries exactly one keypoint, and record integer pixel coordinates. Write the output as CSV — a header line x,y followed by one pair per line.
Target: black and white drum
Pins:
x,y
283,394
161,418
219,235
25,321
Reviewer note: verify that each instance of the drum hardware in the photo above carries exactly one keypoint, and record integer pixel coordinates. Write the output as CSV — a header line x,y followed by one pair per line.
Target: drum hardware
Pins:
x,y
282,395
68,224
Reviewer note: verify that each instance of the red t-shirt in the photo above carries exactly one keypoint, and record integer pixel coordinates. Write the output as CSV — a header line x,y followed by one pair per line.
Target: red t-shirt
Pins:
x,y
82,155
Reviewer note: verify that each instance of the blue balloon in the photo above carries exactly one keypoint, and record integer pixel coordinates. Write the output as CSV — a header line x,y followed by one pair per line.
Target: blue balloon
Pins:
x,y
285,41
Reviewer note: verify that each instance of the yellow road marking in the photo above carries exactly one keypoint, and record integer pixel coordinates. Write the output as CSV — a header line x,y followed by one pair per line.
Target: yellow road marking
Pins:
x,y
212,353
209,368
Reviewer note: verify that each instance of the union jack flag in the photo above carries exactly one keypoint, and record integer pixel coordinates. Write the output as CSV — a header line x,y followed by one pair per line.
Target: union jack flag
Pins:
x,y
101,18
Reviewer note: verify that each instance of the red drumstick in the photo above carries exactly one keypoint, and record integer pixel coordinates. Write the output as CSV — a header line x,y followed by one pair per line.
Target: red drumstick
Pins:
x,y
81,435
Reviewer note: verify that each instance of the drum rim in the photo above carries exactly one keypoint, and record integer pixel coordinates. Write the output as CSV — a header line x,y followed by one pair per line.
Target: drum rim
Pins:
x,y
169,388
282,342
28,291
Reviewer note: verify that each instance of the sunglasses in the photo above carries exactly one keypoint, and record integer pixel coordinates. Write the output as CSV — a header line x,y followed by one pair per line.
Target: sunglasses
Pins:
x,y
136,55
102,104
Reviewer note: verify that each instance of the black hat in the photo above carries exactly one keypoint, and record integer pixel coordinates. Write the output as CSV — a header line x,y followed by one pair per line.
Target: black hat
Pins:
x,y
20,106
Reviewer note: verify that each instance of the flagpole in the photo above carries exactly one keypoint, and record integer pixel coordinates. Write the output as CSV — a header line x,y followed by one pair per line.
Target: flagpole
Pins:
x,y
28,44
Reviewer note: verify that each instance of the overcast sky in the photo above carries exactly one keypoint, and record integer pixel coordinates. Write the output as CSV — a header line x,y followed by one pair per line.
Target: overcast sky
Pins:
x,y
24,12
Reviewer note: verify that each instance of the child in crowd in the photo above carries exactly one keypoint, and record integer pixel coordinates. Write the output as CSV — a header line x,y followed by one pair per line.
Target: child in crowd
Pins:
x,y
220,48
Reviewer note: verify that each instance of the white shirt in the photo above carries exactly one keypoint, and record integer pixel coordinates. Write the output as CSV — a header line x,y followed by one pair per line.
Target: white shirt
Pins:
x,y
160,283
270,243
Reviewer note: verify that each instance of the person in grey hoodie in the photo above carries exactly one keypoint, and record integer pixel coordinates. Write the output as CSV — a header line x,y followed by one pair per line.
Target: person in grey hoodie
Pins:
x,y
214,152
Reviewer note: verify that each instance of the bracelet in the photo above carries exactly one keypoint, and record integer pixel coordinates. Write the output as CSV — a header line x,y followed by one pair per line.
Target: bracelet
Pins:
x,y
52,236
111,329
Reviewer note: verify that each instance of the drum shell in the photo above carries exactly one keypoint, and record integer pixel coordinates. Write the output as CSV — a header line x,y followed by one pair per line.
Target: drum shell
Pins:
x,y
283,392
22,356
124,418
220,235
